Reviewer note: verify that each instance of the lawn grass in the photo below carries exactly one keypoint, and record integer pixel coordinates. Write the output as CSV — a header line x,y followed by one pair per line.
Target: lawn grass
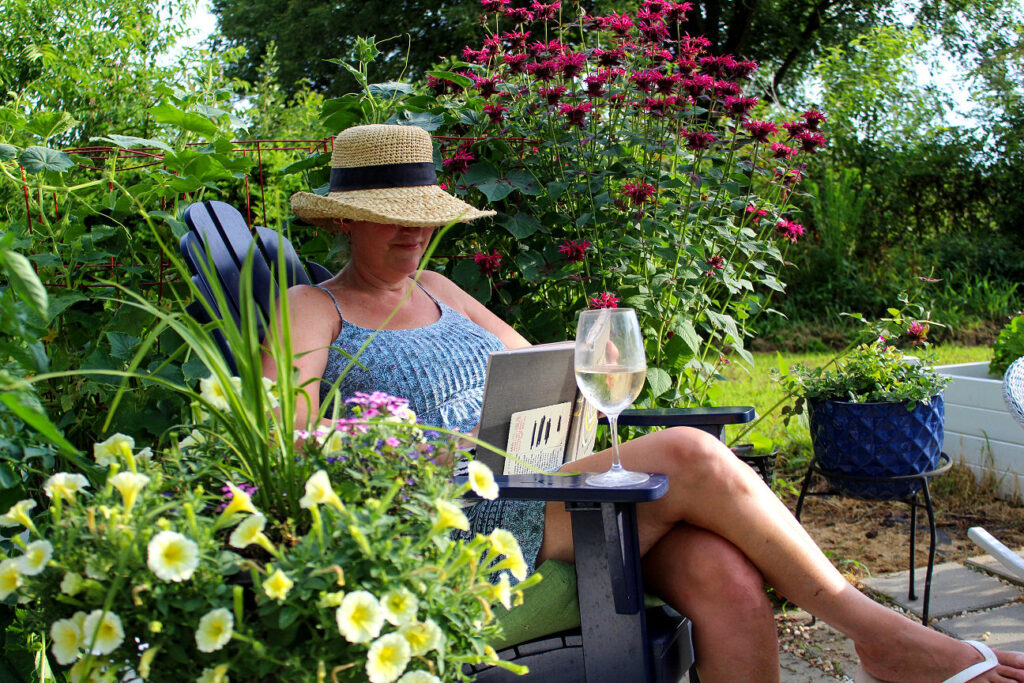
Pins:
x,y
756,388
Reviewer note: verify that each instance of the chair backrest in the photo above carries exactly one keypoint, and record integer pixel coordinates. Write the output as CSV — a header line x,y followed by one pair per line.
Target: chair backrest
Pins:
x,y
1013,390
220,239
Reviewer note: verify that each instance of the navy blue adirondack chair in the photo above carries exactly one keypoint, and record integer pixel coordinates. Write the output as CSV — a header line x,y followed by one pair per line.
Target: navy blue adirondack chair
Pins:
x,y
585,623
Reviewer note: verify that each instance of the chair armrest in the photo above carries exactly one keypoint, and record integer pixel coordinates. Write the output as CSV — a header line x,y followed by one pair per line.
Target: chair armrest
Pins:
x,y
573,489
685,417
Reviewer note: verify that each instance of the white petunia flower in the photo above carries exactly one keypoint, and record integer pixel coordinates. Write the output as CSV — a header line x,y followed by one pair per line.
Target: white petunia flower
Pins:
x,y
481,480
449,516
110,451
359,617
18,514
320,492
250,532
129,484
194,438
216,674
145,455
215,629
504,543
272,393
10,577
103,632
71,583
419,677
213,391
423,636
172,556
387,658
37,555
502,592
399,606
64,485
66,640
240,502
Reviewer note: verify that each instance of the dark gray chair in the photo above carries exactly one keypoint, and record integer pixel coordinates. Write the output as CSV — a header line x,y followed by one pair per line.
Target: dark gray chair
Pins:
x,y
619,640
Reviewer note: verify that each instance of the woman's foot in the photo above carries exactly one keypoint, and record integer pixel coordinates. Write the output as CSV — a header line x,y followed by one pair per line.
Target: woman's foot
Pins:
x,y
926,656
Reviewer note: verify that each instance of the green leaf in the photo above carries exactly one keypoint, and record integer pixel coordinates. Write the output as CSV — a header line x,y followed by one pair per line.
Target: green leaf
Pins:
x,y
59,302
38,159
391,89
194,369
171,115
524,182
659,381
50,124
287,616
121,345
459,79
466,274
8,477
689,335
8,152
128,142
312,161
555,189
22,407
520,225
25,282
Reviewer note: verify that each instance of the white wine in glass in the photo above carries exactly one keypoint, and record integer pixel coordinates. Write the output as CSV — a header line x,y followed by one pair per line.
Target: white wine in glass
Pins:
x,y
610,369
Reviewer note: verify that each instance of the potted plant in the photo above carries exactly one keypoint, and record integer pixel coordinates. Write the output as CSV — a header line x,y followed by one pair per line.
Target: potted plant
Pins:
x,y
877,414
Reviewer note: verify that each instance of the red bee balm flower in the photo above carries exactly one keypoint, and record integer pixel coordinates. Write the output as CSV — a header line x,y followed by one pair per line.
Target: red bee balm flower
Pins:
x,y
495,6
781,151
545,12
552,95
519,15
488,263
790,230
813,117
639,192
574,251
571,64
605,300
756,213
576,114
698,140
760,130
917,333
496,112
459,162
716,262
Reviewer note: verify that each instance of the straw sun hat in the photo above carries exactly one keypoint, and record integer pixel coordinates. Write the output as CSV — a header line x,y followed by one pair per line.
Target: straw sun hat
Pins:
x,y
384,174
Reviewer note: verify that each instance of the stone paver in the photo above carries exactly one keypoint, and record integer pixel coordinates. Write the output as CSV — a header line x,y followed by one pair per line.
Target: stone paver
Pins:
x,y
989,564
955,589
1002,627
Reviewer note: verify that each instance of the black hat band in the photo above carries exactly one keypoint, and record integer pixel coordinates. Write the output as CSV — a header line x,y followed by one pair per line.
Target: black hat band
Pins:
x,y
385,175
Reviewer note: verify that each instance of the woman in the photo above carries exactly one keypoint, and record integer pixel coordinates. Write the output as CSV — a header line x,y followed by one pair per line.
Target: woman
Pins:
x,y
708,546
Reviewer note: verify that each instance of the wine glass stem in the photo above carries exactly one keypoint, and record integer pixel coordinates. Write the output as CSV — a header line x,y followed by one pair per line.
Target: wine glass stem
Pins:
x,y
613,425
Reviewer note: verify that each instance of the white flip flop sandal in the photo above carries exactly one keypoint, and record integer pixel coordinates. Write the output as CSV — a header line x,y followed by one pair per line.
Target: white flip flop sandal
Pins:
x,y
990,662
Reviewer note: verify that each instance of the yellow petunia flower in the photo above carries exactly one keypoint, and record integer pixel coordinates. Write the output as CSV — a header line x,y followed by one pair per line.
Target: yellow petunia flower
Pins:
x,y
37,556
215,629
65,641
502,591
399,606
18,514
129,484
277,584
423,636
146,662
449,516
10,577
419,677
240,502
272,393
103,631
359,617
64,485
387,658
320,492
216,394
172,556
109,452
481,480
71,583
216,674
504,543
250,532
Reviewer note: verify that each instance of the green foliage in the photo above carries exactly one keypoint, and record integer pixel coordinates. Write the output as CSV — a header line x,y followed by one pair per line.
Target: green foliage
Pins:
x,y
1009,346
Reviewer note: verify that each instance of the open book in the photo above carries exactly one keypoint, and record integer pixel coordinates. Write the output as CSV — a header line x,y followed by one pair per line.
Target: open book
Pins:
x,y
533,409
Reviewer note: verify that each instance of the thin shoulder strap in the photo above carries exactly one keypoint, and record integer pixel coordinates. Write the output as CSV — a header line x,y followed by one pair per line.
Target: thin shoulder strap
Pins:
x,y
336,306
427,292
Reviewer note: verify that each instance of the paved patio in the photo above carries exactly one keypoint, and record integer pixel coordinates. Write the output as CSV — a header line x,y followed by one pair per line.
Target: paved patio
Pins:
x,y
973,600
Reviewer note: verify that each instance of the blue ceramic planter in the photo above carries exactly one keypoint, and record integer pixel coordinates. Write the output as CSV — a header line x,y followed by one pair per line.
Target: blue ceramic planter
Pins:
x,y
876,440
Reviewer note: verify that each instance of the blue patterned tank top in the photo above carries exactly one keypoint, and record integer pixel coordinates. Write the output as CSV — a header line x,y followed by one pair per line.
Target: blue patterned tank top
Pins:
x,y
439,368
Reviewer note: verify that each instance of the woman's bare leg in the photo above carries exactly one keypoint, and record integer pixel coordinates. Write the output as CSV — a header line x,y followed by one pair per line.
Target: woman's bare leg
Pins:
x,y
699,572
712,489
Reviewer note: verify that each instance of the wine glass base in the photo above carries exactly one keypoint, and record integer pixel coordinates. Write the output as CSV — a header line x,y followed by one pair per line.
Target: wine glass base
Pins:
x,y
617,477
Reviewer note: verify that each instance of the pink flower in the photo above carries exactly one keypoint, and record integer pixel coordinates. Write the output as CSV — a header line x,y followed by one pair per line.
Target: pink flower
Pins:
x,y
698,140
794,128
686,66
459,162
718,66
742,70
739,106
571,64
676,11
789,230
698,85
552,95
486,86
609,57
617,23
496,112
516,40
476,56
595,85
726,88
639,192
644,80
494,6
813,117
540,48
760,130
518,15
917,333
543,71
716,262
666,83
654,7
545,12
574,251
691,46
576,114
781,151
756,213
393,441
810,142
516,63
605,300
654,31
488,263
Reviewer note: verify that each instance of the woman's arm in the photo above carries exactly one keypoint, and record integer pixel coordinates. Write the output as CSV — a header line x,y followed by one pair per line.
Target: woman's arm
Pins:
x,y
463,302
313,326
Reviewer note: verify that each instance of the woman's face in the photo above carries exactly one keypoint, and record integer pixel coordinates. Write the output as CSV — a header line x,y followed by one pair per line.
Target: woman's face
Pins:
x,y
387,249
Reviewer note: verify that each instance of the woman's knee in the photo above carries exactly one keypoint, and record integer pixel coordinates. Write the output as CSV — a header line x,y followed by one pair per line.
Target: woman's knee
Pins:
x,y
692,452
716,570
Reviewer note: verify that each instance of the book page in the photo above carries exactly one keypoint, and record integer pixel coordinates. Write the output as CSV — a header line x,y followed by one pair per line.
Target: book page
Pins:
x,y
538,436
582,431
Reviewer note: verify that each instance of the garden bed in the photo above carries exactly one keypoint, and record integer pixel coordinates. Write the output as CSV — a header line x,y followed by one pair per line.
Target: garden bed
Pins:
x,y
980,432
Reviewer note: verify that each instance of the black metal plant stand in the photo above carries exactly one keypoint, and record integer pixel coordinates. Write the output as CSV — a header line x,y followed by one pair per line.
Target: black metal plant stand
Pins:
x,y
924,477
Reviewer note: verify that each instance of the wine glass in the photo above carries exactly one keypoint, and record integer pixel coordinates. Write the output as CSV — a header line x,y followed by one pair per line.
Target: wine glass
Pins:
x,y
610,369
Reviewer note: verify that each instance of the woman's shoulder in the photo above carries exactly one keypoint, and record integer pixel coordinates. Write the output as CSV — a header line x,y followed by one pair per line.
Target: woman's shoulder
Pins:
x,y
445,290
312,304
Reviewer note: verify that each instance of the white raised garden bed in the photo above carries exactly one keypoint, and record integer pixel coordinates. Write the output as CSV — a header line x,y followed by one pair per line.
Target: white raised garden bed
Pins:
x,y
980,431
